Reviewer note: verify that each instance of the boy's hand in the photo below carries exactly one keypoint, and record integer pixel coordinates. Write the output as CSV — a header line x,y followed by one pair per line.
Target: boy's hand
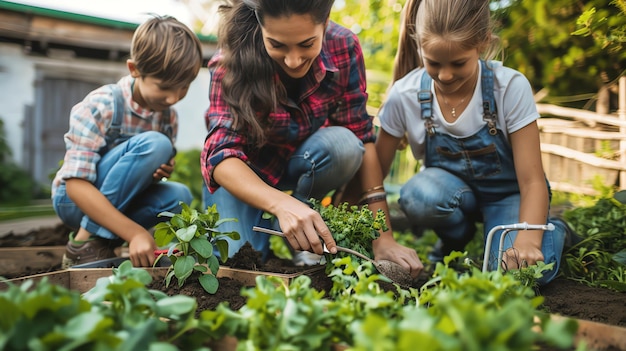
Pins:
x,y
141,250
165,171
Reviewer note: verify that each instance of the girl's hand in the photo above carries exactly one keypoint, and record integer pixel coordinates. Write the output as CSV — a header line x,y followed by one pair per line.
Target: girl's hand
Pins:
x,y
165,171
522,255
386,248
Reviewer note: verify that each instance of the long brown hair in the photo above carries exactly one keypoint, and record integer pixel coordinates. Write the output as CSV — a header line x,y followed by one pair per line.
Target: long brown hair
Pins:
x,y
249,85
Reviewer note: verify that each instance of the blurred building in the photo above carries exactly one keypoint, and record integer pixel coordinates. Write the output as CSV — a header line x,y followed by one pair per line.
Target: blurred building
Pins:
x,y
51,57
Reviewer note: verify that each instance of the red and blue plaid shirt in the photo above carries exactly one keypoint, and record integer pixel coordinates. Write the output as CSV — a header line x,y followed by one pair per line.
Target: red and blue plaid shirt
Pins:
x,y
89,122
333,94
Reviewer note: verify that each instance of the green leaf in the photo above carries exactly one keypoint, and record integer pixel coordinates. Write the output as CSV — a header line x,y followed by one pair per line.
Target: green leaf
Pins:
x,y
620,257
222,247
214,265
183,268
176,305
166,214
200,268
186,234
84,324
202,246
162,346
140,337
209,283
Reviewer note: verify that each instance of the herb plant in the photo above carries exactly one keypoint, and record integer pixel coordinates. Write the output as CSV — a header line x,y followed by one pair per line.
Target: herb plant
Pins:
x,y
194,234
352,227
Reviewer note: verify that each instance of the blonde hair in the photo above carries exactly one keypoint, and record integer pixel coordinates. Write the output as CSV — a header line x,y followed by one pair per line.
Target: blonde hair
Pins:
x,y
166,49
407,56
464,22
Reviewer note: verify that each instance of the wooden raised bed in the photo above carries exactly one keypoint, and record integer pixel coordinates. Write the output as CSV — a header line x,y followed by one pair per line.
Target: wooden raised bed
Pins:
x,y
83,279
32,258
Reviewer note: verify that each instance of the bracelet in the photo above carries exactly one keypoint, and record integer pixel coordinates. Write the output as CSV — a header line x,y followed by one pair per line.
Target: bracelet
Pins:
x,y
372,198
378,187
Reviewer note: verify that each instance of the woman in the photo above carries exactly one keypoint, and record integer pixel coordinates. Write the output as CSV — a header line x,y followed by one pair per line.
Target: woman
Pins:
x,y
287,122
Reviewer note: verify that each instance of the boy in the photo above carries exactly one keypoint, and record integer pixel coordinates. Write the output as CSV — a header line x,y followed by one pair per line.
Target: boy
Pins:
x,y
119,149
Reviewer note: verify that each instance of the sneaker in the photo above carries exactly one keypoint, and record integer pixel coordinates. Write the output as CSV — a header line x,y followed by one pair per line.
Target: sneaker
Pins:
x,y
91,250
571,237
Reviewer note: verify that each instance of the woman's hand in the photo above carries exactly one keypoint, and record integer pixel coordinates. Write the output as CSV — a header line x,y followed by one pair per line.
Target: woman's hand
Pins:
x,y
304,227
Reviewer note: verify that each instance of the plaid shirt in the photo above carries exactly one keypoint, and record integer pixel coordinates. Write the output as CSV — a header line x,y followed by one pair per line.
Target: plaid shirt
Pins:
x,y
89,121
333,94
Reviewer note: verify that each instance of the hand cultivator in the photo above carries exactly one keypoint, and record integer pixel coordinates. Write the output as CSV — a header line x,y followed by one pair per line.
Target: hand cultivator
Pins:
x,y
506,229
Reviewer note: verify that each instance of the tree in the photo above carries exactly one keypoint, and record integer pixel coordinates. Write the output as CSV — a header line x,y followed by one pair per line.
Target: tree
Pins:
x,y
376,23
538,41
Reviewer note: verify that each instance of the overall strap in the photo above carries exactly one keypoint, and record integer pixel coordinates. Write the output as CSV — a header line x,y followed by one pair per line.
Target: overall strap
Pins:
x,y
425,98
166,124
113,132
489,102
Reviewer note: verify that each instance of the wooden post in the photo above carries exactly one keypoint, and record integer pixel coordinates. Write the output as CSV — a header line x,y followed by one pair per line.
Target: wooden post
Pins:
x,y
622,117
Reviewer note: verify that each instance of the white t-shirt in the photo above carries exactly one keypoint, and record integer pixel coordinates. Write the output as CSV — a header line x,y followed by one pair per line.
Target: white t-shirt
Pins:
x,y
401,113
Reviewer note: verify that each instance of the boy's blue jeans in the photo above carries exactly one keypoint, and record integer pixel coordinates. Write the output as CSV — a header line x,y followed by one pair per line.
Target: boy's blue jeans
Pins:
x,y
124,176
437,199
327,160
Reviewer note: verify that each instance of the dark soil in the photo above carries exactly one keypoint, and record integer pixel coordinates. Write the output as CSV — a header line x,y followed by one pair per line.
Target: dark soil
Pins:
x,y
562,296
51,236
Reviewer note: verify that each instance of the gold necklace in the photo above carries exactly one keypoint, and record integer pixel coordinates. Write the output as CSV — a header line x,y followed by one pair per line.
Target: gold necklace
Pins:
x,y
453,108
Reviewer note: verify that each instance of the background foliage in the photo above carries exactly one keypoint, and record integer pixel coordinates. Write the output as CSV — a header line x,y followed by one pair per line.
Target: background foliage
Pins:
x,y
536,38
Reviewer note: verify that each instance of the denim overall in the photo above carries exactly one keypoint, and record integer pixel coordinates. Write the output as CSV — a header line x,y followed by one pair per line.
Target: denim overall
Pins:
x,y
124,176
467,180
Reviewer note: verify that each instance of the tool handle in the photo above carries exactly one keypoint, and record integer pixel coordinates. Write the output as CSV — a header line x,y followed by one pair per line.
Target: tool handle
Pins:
x,y
339,248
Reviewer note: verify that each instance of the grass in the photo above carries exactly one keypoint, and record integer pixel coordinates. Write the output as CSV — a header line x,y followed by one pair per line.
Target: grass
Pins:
x,y
27,211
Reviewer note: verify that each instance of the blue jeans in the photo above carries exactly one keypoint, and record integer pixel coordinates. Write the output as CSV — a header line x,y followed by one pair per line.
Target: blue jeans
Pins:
x,y
327,160
124,176
437,199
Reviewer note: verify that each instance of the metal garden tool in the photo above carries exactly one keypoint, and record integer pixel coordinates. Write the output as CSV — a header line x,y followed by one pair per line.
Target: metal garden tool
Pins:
x,y
389,269
505,231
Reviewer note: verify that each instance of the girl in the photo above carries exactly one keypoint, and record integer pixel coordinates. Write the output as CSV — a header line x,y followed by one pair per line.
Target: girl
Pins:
x,y
287,122
473,123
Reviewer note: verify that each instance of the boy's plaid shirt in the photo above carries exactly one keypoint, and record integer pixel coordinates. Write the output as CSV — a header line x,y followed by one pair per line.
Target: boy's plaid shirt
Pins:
x,y
89,120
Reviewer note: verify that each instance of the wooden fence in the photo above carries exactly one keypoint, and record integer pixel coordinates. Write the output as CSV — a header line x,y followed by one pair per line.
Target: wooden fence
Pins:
x,y
580,149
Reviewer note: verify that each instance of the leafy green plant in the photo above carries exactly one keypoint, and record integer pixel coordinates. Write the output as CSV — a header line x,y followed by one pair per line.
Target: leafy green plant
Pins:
x,y
17,185
276,316
468,311
608,32
600,258
150,314
194,234
351,227
119,313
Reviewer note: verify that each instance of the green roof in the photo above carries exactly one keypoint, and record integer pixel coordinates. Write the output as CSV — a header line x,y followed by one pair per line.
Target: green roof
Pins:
x,y
76,17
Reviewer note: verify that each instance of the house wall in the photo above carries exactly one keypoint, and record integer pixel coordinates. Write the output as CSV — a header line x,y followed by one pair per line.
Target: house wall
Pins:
x,y
16,91
20,73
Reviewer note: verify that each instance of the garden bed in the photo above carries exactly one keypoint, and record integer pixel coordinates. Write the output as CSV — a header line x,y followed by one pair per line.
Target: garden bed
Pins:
x,y
593,307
